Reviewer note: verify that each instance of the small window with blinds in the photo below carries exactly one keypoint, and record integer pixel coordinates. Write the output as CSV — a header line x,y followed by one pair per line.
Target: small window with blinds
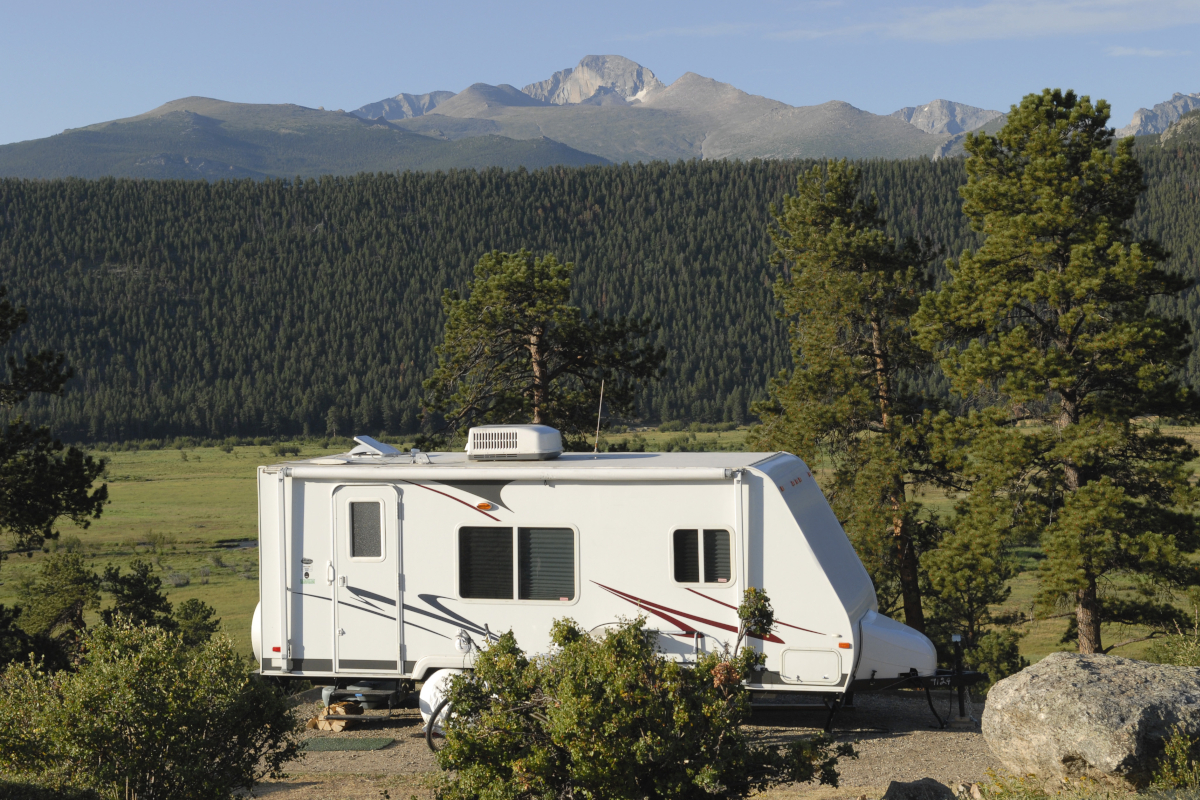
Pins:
x,y
546,564
701,552
485,563
366,530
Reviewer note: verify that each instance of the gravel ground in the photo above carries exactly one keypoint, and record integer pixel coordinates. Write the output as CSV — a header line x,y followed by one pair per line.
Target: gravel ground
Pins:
x,y
895,735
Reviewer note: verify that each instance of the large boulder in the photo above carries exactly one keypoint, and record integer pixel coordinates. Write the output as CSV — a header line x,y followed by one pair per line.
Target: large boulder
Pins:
x,y
1105,717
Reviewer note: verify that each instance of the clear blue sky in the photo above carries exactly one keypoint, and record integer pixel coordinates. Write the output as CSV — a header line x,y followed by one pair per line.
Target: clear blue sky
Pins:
x,y
68,64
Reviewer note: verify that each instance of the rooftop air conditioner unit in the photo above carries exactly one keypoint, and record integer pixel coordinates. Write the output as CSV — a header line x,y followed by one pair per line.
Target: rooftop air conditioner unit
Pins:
x,y
513,443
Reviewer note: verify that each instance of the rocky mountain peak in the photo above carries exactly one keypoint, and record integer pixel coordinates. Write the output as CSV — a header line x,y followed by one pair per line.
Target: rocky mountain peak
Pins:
x,y
946,116
607,75
1159,118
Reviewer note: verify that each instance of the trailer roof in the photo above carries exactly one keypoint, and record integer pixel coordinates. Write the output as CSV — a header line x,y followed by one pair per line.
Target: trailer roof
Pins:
x,y
572,461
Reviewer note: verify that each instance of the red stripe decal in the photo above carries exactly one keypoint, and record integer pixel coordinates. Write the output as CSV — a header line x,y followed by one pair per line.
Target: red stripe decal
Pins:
x,y
455,499
683,627
657,609
777,622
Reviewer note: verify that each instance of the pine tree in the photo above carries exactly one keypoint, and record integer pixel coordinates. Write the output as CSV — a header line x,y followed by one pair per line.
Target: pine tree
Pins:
x,y
517,351
41,481
1050,324
137,597
848,291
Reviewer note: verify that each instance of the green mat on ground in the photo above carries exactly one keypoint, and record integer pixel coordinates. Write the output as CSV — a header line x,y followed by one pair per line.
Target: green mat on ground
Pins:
x,y
332,743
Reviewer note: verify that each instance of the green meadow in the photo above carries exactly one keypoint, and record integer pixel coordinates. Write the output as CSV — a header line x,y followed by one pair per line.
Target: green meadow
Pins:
x,y
191,512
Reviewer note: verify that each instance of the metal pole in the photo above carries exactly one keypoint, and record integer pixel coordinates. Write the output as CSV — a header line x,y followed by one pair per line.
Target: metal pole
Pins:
x,y
958,670
599,411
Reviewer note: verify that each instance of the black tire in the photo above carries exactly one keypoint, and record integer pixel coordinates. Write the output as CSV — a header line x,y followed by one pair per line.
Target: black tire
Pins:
x,y
437,712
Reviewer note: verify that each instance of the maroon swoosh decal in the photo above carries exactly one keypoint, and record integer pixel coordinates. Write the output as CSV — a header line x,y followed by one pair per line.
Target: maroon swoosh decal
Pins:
x,y
658,610
684,628
455,499
777,622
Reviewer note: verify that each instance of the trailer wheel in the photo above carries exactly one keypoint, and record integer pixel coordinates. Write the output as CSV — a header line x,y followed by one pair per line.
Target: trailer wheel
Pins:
x,y
437,713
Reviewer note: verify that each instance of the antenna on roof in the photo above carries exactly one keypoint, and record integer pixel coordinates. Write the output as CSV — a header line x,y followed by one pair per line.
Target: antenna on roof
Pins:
x,y
596,447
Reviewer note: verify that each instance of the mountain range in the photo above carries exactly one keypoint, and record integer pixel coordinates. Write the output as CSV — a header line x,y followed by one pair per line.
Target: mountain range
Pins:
x,y
605,109
1156,120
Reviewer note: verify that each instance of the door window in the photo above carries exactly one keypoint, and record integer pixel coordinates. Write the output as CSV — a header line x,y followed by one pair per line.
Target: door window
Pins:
x,y
366,530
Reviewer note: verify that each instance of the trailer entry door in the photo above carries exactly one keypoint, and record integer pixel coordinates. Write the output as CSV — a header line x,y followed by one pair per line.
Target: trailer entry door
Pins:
x,y
367,591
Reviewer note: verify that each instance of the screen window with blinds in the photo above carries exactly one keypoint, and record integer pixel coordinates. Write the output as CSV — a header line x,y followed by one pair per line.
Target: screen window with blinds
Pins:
x,y
544,558
701,553
366,530
546,563
485,563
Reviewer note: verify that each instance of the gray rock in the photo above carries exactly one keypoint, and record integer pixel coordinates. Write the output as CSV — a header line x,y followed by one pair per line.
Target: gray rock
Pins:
x,y
924,789
618,75
1157,119
1105,717
945,116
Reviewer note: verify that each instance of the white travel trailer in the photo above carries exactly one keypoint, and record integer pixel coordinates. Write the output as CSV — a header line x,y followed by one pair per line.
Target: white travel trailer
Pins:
x,y
382,565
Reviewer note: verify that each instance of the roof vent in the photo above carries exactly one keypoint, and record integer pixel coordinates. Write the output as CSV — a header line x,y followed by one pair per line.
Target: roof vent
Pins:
x,y
371,447
513,443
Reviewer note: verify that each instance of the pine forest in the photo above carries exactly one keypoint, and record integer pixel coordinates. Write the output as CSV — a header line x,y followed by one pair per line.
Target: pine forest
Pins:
x,y
313,307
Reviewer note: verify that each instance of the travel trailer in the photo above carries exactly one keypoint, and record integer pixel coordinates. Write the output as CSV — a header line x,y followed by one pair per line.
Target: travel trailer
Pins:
x,y
381,565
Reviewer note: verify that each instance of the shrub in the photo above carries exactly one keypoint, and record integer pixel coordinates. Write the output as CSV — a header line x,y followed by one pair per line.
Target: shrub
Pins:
x,y
173,721
286,450
612,718
29,791
178,579
996,655
1181,649
1179,767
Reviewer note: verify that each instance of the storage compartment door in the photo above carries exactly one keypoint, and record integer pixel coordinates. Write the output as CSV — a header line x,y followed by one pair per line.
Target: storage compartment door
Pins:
x,y
367,590
816,667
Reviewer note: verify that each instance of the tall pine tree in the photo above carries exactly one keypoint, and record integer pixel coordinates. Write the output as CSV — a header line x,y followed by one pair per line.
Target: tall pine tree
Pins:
x,y
516,350
1050,324
848,290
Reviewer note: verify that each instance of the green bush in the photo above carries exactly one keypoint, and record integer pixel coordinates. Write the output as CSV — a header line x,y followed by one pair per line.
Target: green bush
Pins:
x,y
1179,766
610,717
997,655
1181,649
286,450
29,791
143,710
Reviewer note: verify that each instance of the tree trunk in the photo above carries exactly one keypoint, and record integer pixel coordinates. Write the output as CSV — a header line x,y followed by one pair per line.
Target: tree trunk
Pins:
x,y
910,576
883,378
1087,615
540,390
907,560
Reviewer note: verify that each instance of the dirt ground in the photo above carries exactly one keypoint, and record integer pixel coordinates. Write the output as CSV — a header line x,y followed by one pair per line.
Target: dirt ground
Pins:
x,y
896,737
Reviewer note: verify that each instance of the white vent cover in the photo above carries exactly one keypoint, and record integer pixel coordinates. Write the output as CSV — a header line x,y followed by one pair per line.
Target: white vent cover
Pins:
x,y
513,443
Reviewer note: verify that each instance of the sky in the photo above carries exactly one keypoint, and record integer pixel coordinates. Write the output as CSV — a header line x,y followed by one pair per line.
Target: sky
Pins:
x,y
69,64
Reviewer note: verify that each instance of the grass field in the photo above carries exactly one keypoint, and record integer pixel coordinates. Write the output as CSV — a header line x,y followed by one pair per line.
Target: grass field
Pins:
x,y
192,514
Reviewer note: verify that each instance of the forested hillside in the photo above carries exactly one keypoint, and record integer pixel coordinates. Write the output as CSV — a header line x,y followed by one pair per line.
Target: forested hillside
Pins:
x,y
266,307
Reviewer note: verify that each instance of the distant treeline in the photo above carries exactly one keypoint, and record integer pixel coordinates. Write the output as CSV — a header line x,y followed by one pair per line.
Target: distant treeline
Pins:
x,y
247,308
